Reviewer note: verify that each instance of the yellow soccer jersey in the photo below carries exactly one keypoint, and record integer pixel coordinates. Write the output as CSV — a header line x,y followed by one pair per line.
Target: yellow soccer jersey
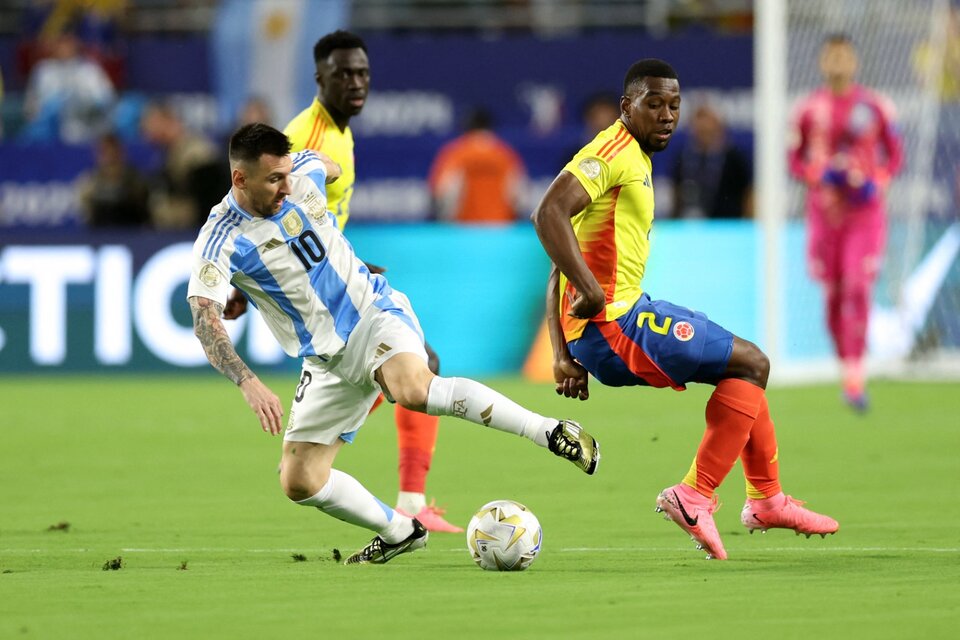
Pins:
x,y
313,128
613,230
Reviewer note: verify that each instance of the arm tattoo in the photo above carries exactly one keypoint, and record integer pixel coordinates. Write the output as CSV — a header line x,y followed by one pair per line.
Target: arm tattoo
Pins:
x,y
216,343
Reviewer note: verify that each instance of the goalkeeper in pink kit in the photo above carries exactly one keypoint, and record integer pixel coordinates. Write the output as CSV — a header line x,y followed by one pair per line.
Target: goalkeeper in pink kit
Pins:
x,y
845,149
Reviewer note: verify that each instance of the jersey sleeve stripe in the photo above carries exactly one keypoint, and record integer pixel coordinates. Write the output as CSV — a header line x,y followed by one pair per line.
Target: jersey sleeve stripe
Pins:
x,y
313,130
617,149
607,144
317,134
218,228
224,234
302,158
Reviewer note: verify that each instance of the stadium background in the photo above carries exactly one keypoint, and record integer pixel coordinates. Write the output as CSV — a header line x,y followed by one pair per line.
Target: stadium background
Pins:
x,y
432,62
167,479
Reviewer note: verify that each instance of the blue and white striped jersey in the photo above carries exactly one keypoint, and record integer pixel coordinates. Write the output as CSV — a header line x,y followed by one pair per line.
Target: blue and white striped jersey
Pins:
x,y
294,266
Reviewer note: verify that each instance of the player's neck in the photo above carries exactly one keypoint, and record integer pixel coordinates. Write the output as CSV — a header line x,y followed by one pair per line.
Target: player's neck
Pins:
x,y
244,203
840,87
339,119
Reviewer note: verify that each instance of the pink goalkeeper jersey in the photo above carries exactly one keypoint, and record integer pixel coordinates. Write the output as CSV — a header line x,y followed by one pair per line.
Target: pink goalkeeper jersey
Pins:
x,y
850,134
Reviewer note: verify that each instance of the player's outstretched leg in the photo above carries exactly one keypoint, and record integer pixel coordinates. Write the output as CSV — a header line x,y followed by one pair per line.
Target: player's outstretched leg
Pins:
x,y
693,512
379,551
785,512
470,400
412,385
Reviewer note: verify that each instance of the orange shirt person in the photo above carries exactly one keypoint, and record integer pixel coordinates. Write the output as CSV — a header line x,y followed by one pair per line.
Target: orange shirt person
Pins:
x,y
477,177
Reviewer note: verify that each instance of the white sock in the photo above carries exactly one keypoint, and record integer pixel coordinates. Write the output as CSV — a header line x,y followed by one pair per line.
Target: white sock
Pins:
x,y
344,498
410,502
470,400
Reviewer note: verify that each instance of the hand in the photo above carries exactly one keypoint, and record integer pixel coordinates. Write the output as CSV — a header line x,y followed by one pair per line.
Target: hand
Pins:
x,y
236,305
587,304
264,403
571,378
374,269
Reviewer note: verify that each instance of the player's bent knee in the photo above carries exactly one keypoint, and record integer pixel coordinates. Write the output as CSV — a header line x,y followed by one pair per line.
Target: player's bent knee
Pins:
x,y
749,363
406,380
759,365
299,485
412,395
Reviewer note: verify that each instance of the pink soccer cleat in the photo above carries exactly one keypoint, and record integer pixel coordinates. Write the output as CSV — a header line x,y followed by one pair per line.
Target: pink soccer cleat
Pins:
x,y
785,512
693,513
431,516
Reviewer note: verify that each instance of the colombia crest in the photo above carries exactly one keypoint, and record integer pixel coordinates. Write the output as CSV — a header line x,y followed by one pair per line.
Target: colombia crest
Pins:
x,y
683,331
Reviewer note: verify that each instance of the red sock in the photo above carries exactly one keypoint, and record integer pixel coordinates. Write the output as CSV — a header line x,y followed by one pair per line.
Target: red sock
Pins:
x,y
416,439
760,457
731,413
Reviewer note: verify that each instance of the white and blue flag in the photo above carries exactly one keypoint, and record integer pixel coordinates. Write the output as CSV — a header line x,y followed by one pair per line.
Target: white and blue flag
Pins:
x,y
264,49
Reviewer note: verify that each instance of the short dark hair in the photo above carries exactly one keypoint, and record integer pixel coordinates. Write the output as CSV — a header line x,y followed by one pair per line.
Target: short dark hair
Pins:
x,y
600,99
251,141
479,118
647,68
838,37
339,39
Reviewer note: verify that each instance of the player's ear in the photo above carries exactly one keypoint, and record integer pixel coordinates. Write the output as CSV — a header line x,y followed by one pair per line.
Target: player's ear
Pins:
x,y
238,178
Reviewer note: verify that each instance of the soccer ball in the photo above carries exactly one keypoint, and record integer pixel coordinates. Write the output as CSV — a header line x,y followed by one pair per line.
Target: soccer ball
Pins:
x,y
504,536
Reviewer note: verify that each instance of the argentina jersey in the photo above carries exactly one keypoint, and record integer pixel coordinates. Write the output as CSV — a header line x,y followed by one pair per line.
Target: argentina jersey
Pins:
x,y
294,266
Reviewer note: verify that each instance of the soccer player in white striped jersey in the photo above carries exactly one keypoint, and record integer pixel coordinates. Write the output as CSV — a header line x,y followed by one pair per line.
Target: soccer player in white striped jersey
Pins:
x,y
273,238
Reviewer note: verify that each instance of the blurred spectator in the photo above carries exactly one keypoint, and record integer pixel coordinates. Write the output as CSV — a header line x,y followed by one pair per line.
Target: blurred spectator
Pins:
x,y
192,178
939,66
598,112
1,104
94,22
68,95
114,194
477,177
711,177
255,109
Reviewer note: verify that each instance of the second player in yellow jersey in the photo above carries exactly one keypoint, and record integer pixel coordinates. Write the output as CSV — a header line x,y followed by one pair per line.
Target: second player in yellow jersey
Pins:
x,y
314,128
343,81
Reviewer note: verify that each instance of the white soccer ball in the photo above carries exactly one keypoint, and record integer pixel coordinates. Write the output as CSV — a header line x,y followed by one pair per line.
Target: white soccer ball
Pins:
x,y
504,536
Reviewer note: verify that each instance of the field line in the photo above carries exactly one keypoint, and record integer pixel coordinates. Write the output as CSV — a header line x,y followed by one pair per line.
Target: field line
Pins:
x,y
804,549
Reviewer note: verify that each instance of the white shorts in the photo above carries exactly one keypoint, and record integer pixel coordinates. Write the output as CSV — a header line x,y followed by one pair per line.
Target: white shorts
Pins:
x,y
333,399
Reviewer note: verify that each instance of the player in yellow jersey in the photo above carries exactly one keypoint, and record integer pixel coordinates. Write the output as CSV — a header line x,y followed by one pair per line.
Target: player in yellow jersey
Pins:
x,y
594,221
343,81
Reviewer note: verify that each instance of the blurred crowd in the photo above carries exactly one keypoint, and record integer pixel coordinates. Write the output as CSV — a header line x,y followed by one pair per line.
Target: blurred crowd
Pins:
x,y
71,53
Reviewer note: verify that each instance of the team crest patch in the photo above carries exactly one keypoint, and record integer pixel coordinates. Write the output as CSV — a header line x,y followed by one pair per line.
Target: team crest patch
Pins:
x,y
683,331
292,224
590,168
210,275
314,207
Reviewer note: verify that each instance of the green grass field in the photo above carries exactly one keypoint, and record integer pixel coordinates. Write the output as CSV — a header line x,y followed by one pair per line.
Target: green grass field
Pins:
x,y
174,472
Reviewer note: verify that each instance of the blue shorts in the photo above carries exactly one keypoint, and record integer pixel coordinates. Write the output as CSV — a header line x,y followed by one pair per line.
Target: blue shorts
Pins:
x,y
657,344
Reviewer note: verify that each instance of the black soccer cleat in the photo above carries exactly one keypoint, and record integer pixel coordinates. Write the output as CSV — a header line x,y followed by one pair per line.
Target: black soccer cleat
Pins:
x,y
379,551
569,440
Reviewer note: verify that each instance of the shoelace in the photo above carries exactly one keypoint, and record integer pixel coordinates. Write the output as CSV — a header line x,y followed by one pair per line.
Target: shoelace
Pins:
x,y
567,446
375,547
